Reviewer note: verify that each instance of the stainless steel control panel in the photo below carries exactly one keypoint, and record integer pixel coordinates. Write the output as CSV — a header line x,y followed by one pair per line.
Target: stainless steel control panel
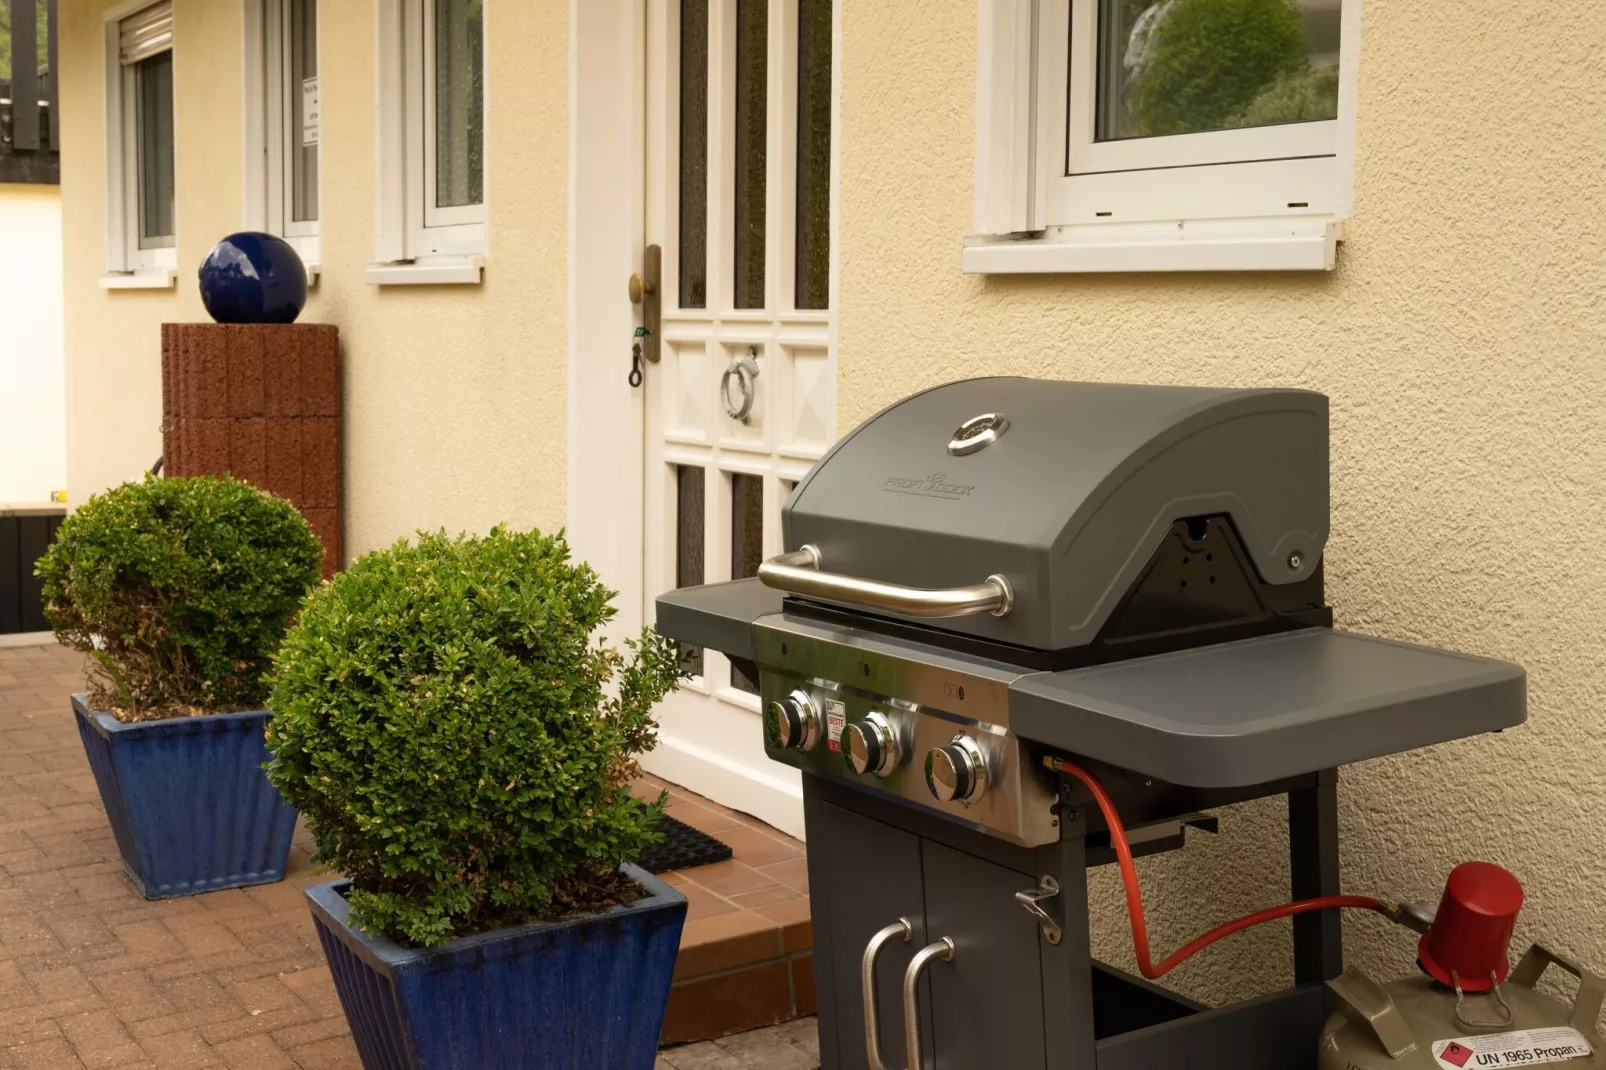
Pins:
x,y
929,729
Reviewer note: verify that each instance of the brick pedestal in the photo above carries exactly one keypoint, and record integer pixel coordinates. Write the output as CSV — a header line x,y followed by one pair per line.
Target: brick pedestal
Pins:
x,y
260,402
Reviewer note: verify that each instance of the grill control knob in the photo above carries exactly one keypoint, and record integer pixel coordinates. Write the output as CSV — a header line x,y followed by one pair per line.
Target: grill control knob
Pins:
x,y
871,746
957,772
792,723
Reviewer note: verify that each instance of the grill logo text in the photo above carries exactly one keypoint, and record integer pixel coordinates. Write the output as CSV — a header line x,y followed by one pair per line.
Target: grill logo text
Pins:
x,y
932,486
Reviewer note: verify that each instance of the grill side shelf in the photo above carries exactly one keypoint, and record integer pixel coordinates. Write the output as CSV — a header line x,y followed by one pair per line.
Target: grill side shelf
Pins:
x,y
719,616
1247,712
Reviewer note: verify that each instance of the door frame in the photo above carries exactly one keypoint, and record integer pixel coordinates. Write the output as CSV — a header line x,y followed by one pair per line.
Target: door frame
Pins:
x,y
607,169
609,114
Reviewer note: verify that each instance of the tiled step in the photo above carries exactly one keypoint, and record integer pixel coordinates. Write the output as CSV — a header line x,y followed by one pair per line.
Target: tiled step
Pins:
x,y
746,953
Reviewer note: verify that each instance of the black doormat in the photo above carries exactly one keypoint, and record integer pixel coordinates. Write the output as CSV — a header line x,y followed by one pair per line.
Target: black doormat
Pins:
x,y
682,847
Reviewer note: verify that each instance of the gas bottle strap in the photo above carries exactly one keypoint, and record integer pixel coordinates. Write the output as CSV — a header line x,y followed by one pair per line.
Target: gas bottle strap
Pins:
x,y
1508,1019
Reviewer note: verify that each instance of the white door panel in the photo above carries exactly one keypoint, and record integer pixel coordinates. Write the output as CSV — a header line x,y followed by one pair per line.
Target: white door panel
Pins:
x,y
739,179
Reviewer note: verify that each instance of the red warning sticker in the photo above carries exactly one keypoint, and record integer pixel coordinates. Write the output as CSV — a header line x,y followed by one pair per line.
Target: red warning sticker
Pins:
x,y
836,717
1455,1053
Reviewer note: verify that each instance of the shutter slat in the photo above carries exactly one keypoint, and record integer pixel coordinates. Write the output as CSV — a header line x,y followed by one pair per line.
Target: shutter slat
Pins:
x,y
146,32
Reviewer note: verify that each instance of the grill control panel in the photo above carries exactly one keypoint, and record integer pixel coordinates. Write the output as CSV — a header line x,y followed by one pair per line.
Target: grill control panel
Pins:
x,y
930,734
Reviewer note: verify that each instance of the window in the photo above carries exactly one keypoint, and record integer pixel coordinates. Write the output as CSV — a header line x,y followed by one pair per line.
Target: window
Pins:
x,y
1122,135
282,130
431,141
139,147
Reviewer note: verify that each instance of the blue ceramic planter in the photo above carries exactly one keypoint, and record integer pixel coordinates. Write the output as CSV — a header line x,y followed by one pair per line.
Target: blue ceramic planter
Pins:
x,y
189,804
585,994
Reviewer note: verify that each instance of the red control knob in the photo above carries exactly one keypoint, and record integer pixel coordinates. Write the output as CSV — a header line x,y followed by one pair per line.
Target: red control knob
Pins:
x,y
1471,934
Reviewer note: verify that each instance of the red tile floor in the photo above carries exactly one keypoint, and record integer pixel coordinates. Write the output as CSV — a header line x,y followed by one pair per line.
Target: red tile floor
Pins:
x,y
91,975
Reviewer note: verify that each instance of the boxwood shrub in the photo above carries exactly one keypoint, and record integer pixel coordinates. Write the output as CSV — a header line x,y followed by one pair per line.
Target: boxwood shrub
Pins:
x,y
461,745
181,590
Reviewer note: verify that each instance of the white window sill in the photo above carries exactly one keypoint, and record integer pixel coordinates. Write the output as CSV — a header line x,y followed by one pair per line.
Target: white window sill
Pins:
x,y
313,271
1305,244
144,279
436,271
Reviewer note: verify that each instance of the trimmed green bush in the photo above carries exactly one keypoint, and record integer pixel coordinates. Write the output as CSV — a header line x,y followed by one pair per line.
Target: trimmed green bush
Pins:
x,y
460,746
181,590
1212,58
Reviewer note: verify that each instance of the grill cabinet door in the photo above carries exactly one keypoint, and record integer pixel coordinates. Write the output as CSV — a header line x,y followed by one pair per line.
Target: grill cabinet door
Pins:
x,y
985,1008
874,879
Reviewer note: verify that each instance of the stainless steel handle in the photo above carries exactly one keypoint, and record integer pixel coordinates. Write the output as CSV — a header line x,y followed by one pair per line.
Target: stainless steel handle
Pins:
x,y
943,949
799,572
901,929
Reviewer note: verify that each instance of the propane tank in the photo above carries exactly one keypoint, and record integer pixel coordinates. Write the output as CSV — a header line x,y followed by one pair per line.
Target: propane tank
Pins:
x,y
1471,1010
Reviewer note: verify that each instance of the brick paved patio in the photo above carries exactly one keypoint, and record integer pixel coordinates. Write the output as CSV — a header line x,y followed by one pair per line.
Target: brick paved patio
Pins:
x,y
91,975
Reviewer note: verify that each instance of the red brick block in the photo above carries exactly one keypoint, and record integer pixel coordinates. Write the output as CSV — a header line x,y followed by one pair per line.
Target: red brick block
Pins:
x,y
206,367
248,458
281,371
206,447
283,475
320,370
170,406
320,462
246,385
325,524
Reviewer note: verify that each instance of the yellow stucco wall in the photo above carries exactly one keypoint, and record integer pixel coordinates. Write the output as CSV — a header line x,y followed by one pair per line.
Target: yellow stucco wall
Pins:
x,y
33,430
455,410
1463,343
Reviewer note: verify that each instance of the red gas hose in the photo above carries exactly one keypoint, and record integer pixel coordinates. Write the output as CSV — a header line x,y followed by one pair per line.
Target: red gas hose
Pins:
x,y
1134,896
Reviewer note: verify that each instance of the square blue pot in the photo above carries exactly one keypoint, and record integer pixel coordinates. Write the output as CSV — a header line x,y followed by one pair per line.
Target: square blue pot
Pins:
x,y
188,801
584,994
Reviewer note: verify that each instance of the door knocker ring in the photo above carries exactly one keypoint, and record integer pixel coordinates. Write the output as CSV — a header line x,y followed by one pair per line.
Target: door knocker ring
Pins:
x,y
744,370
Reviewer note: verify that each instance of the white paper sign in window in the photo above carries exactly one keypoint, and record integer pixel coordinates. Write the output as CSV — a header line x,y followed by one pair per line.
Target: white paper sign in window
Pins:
x,y
309,111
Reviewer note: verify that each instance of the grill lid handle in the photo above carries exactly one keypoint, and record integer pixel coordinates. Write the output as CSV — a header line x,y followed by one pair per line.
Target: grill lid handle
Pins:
x,y
799,572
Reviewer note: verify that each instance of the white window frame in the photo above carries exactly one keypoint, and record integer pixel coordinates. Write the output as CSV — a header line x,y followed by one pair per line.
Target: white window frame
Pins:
x,y
415,241
1049,198
128,266
266,68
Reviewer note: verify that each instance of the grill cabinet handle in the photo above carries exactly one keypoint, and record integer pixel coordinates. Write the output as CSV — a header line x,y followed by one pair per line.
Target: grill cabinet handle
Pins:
x,y
943,949
799,572
902,930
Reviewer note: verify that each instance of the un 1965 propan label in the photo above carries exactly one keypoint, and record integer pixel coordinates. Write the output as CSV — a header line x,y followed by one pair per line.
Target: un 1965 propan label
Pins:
x,y
1526,1047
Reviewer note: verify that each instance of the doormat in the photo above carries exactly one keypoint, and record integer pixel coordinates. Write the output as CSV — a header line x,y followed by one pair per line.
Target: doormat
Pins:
x,y
682,847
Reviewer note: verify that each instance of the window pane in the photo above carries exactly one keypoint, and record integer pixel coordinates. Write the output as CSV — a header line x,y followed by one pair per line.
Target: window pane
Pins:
x,y
747,545
693,153
752,103
153,141
689,523
813,153
302,46
459,102
1188,66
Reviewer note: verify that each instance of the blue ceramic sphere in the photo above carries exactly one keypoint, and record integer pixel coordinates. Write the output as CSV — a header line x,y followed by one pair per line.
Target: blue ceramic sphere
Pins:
x,y
253,278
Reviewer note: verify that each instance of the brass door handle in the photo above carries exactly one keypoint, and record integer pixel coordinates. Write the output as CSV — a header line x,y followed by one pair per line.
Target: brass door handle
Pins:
x,y
646,291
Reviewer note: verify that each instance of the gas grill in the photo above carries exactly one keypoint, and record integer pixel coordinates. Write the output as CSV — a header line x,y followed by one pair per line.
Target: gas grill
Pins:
x,y
997,574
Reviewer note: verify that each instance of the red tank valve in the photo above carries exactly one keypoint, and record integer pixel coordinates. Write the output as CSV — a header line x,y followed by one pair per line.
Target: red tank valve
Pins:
x,y
1471,933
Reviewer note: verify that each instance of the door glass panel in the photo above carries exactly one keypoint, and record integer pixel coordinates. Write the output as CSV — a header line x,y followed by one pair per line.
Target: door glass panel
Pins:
x,y
303,46
813,153
689,526
153,104
752,108
459,103
693,153
1188,66
747,545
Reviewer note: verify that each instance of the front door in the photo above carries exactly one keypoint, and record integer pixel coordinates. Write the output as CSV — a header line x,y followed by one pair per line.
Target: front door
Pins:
x,y
739,197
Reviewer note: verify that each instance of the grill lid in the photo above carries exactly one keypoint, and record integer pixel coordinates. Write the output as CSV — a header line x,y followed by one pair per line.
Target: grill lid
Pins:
x,y
1045,500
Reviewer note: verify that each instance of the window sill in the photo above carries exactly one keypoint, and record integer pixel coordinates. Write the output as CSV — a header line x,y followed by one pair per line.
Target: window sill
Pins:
x,y
436,271
144,279
1309,244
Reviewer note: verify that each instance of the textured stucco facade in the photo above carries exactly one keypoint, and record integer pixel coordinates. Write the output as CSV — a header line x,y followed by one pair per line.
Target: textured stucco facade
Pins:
x,y
1463,343
455,412
33,460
